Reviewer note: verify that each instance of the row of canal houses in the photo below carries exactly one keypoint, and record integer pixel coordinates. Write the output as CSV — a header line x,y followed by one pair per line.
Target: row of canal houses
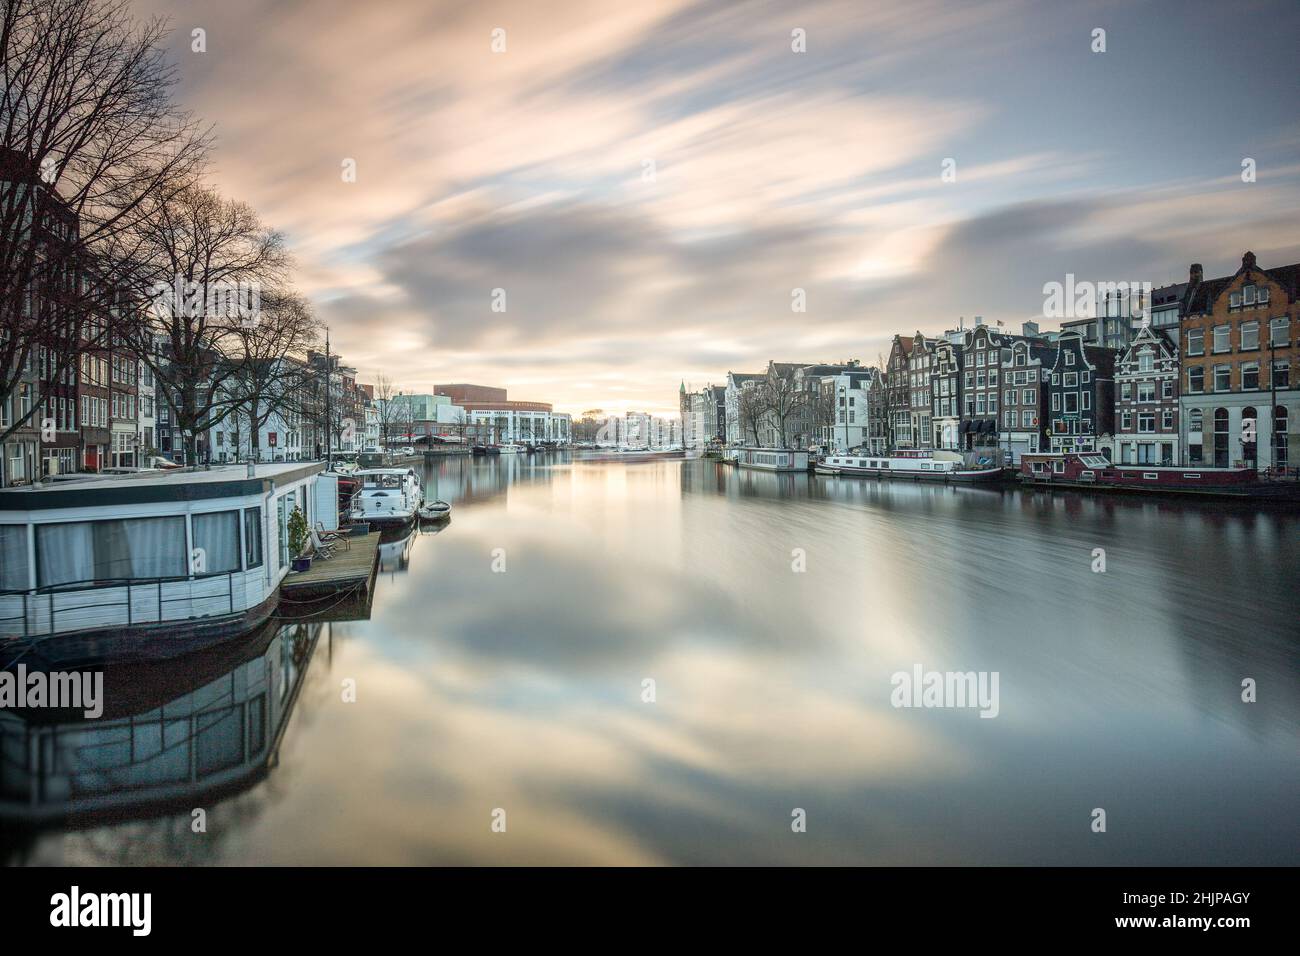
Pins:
x,y
1203,372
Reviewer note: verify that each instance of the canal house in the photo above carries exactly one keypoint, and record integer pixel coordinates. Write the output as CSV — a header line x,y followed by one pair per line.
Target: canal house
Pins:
x,y
150,565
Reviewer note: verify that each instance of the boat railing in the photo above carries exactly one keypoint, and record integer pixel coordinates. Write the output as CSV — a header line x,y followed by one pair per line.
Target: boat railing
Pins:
x,y
39,607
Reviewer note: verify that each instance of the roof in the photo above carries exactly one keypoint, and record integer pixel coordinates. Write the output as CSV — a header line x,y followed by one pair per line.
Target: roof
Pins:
x,y
181,484
1202,295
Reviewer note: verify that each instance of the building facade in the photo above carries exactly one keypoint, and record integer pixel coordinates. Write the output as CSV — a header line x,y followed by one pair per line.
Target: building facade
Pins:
x,y
1239,403
1146,400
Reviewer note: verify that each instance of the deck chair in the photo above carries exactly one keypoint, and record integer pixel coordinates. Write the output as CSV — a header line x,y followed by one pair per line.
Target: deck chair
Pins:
x,y
320,548
333,538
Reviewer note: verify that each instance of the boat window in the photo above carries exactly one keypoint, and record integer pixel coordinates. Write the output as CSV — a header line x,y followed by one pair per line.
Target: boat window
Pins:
x,y
13,557
216,540
85,551
252,537
1150,474
1191,474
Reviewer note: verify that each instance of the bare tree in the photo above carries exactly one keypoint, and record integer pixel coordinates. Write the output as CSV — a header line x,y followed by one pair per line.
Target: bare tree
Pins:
x,y
270,375
89,138
782,399
188,258
751,408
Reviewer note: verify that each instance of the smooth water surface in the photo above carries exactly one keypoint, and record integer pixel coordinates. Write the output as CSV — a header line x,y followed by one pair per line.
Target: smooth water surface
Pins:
x,y
505,662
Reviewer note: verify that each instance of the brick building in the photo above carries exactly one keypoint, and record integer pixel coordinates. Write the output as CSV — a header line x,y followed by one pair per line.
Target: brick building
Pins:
x,y
1240,350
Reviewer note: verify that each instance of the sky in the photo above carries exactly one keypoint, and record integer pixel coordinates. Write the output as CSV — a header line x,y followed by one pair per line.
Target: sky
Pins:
x,y
649,182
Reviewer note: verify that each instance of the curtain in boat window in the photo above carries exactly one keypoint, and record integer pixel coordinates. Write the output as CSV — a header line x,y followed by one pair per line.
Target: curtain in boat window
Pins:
x,y
64,553
157,546
218,535
13,557
85,551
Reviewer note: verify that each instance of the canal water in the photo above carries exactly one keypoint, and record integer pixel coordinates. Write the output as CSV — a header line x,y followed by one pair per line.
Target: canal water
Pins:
x,y
600,662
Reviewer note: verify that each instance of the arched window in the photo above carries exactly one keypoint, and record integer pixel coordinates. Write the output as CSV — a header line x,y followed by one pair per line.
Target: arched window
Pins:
x,y
1250,435
1195,419
1221,457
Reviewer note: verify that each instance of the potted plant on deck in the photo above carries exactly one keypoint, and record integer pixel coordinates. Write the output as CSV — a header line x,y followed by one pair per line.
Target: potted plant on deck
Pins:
x,y
299,536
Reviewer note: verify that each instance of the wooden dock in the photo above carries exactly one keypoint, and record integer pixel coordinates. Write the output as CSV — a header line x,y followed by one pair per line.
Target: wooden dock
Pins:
x,y
351,569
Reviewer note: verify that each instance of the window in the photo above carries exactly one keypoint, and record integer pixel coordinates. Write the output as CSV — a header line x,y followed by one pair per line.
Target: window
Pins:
x,y
1222,378
13,557
1250,335
1167,389
1194,420
1146,362
1026,396
1249,375
1126,420
1167,419
1056,401
1195,341
1281,373
1069,358
1071,402
1125,392
1146,422
1222,338
1026,419
1195,379
252,537
1279,331
1071,380
1146,391
86,551
216,539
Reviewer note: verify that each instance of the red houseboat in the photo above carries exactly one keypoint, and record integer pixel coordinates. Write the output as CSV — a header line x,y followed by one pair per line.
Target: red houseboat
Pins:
x,y
1097,471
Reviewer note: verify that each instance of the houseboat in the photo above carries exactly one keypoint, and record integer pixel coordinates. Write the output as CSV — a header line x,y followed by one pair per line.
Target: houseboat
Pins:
x,y
911,465
510,449
150,565
770,459
1083,470
388,496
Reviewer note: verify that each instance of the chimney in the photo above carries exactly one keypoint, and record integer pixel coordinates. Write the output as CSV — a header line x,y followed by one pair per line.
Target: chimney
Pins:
x,y
1029,328
1197,273
979,320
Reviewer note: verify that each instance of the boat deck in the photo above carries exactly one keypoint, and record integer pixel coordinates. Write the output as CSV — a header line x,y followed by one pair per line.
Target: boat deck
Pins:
x,y
351,569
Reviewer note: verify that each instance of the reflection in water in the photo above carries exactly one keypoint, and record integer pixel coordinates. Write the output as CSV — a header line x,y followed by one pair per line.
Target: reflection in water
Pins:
x,y
174,734
503,666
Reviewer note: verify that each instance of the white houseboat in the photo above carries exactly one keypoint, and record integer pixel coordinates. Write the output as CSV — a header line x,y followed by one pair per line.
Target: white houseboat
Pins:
x,y
770,459
149,565
388,496
919,465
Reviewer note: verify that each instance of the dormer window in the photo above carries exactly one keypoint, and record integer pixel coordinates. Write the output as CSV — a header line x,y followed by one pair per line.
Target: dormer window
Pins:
x,y
1248,294
1234,300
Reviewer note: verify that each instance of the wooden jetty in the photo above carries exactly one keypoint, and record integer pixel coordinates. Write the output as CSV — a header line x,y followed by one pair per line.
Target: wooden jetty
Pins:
x,y
351,569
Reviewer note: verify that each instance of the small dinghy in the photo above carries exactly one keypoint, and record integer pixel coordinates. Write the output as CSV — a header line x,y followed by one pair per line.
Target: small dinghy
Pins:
x,y
435,510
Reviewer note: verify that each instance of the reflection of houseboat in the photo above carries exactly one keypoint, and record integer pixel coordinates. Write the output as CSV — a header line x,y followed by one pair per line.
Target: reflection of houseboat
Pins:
x,y
1096,471
769,459
152,564
395,555
173,733
919,465
388,496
